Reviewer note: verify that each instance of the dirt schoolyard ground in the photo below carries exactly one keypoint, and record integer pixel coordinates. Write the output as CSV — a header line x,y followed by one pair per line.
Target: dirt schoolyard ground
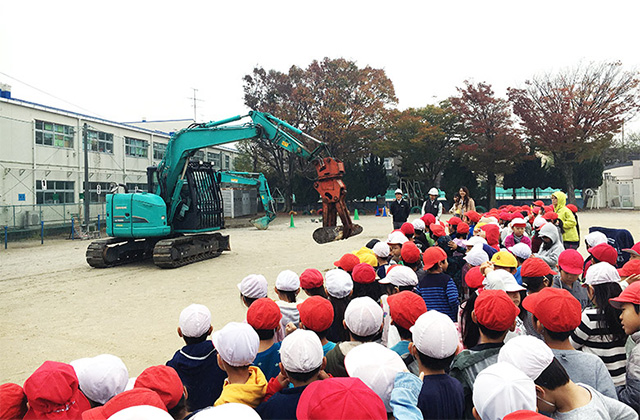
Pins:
x,y
55,307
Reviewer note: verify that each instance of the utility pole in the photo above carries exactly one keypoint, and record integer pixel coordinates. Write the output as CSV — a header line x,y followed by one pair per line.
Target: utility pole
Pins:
x,y
195,106
86,175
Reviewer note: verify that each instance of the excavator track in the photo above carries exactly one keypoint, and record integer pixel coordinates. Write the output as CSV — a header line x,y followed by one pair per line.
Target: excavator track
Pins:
x,y
183,250
110,252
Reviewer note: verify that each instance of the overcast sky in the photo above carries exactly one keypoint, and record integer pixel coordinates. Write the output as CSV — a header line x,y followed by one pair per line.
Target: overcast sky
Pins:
x,y
125,61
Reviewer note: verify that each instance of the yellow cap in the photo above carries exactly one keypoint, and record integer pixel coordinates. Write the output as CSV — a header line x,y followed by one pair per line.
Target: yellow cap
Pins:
x,y
504,259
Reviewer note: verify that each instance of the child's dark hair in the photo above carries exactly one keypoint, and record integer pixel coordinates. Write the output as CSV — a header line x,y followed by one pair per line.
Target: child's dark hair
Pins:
x,y
404,333
388,288
637,308
492,334
609,316
176,411
316,291
371,290
195,340
321,334
414,265
553,377
303,377
247,300
468,328
433,363
534,284
265,334
337,331
434,266
288,295
366,338
556,336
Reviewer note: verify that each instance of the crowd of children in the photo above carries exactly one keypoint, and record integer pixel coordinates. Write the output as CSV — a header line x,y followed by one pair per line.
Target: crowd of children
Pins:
x,y
486,316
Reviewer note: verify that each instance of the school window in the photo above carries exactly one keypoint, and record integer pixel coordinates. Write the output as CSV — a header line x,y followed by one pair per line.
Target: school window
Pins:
x,y
136,148
105,188
136,187
159,150
227,161
214,158
199,156
99,141
56,192
52,134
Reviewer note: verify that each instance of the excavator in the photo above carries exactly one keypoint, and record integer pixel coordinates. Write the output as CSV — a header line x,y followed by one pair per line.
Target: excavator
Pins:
x,y
260,181
177,221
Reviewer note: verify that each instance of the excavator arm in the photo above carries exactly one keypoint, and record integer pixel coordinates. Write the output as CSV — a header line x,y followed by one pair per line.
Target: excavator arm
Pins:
x,y
260,181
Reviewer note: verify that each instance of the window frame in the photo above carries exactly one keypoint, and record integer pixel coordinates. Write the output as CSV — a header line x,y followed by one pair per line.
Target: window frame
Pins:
x,y
47,133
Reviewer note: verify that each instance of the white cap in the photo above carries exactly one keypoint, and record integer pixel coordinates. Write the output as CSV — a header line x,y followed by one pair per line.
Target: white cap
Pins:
x,y
434,191
418,224
520,250
501,389
363,316
476,240
254,286
381,249
301,351
600,273
476,255
501,280
141,412
338,283
376,366
596,238
400,275
517,221
102,377
529,354
195,320
237,343
538,222
435,335
397,237
227,411
398,191
287,281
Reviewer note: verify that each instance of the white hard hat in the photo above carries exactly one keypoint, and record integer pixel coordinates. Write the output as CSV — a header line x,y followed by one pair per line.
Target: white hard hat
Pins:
x,y
398,191
434,191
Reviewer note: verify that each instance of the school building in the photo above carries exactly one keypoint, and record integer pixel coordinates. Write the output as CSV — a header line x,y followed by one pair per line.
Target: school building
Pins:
x,y
42,159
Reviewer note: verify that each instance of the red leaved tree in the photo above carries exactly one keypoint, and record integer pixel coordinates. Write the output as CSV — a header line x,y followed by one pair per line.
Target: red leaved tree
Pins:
x,y
491,144
573,115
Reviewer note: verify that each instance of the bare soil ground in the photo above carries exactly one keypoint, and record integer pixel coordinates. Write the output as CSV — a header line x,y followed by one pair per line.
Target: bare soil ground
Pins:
x,y
55,307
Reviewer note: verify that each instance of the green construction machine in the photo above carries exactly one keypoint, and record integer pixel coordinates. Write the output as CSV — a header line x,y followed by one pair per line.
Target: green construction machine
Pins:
x,y
256,180
177,221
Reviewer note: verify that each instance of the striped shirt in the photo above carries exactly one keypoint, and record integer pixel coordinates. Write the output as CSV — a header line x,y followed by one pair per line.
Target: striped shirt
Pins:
x,y
439,293
589,338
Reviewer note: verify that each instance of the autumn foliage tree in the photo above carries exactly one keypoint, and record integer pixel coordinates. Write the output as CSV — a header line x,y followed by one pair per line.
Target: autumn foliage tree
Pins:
x,y
573,115
333,100
491,144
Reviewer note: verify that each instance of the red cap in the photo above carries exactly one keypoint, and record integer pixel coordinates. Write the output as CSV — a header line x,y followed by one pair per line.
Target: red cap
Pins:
x,y
548,209
437,229
604,252
347,262
132,398
455,220
556,309
407,229
340,398
535,267
316,313
428,219
631,294
264,314
525,415
571,261
13,402
538,203
550,216
405,307
474,278
505,216
462,228
410,253
311,278
635,250
363,273
495,310
536,210
473,215
573,208
630,268
52,387
433,255
164,380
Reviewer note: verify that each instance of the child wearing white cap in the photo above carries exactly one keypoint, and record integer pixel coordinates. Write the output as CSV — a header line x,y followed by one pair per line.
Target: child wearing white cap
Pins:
x,y
101,378
502,389
252,287
237,344
302,362
339,287
287,289
363,321
435,341
197,362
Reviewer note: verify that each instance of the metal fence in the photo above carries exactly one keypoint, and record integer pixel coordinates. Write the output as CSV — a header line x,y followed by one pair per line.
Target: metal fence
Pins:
x,y
28,217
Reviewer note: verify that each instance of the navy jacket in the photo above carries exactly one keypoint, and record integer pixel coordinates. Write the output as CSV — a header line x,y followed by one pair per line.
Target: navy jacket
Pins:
x,y
282,405
197,366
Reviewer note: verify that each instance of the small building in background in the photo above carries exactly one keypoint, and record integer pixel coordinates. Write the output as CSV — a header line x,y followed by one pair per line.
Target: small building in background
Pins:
x,y
620,188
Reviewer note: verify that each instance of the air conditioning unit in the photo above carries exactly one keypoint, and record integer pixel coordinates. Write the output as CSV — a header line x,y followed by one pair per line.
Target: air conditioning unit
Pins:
x,y
31,218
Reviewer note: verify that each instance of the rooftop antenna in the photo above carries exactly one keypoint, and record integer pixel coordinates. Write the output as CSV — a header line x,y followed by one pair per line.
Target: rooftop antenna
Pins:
x,y
195,105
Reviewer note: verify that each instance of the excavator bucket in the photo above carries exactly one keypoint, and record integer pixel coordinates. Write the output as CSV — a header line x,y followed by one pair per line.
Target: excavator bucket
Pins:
x,y
261,223
325,235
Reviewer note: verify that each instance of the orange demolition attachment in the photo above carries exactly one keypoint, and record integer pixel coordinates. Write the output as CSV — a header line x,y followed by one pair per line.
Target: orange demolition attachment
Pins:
x,y
333,193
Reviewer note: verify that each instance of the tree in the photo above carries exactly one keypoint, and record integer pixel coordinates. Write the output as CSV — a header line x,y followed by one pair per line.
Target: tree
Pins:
x,y
424,138
491,144
333,100
622,151
454,176
573,115
528,173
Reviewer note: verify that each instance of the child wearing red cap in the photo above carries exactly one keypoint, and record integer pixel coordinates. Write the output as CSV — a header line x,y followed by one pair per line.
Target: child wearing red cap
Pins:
x,y
405,308
495,314
312,283
437,288
13,402
570,264
264,316
165,381
556,313
364,281
316,314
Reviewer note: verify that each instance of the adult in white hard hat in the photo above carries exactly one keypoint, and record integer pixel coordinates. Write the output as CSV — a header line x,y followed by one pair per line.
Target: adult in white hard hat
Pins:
x,y
400,209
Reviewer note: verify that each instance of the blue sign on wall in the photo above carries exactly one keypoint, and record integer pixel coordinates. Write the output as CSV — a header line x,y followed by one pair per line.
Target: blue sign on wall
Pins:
x,y
22,197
